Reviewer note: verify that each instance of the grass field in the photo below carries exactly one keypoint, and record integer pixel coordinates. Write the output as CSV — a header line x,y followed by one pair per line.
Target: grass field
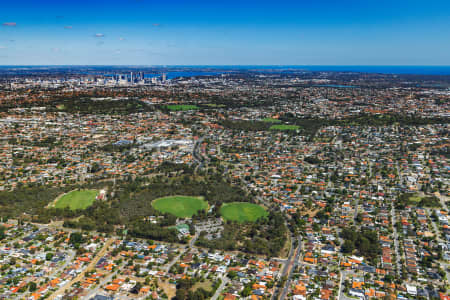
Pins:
x,y
206,285
271,120
242,212
418,200
180,206
284,127
415,198
215,105
181,107
77,199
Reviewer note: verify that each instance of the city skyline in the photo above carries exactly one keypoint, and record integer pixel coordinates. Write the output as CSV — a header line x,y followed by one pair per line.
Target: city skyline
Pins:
x,y
142,32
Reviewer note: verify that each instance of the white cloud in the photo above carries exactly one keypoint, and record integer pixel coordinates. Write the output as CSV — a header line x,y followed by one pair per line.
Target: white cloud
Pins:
x,y
99,35
10,24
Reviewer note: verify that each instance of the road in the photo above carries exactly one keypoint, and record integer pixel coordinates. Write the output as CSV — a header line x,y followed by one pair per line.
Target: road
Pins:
x,y
80,276
443,200
340,285
191,243
196,154
356,210
440,240
344,274
69,260
285,268
94,292
396,247
399,174
290,265
220,288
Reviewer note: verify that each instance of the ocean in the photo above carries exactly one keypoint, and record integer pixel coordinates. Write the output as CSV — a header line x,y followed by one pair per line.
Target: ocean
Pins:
x,y
419,70
217,70
199,70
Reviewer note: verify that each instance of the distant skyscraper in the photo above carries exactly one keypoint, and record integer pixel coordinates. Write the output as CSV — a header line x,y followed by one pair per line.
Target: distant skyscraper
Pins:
x,y
164,77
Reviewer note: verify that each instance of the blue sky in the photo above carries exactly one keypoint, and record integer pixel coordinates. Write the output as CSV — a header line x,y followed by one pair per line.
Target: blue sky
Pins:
x,y
277,32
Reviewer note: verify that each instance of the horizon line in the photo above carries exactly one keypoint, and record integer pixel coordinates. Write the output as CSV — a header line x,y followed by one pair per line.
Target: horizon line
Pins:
x,y
220,65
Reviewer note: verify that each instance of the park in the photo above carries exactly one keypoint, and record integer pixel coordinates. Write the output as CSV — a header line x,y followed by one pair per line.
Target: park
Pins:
x,y
284,127
180,206
181,107
78,199
242,212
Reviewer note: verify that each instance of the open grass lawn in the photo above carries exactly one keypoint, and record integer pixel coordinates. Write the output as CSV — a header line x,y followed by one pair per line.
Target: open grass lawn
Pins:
x,y
168,288
426,201
206,285
284,127
271,120
180,206
242,212
77,199
215,105
415,198
181,107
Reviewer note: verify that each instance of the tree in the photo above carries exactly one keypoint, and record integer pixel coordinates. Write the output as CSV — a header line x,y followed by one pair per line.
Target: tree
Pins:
x,y
247,291
2,233
316,227
359,218
76,238
348,246
136,289
95,167
232,274
32,286
48,256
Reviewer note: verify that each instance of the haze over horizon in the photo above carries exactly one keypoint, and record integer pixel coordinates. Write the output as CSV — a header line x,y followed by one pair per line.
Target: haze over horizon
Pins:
x,y
144,32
